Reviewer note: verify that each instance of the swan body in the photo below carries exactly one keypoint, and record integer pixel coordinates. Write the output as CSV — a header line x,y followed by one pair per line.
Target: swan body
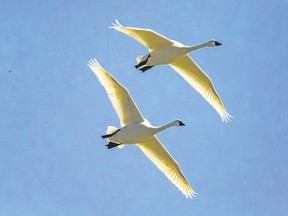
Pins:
x,y
137,130
165,51
165,55
171,53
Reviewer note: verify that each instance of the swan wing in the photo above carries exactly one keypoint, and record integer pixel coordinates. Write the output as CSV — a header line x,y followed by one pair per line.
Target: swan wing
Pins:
x,y
152,40
196,77
158,154
119,96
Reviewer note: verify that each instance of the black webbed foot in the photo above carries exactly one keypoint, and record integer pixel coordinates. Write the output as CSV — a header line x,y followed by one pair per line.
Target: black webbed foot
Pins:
x,y
109,135
143,69
143,62
112,145
106,136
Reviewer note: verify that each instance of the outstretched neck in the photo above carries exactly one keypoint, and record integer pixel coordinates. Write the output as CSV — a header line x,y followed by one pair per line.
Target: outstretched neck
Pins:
x,y
191,48
164,127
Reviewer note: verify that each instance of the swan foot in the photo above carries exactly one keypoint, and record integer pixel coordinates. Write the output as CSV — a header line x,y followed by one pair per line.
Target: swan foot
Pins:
x,y
112,145
143,69
138,65
109,135
143,62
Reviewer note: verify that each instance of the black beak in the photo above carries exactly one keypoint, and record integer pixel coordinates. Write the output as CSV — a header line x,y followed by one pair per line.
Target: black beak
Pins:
x,y
181,123
217,43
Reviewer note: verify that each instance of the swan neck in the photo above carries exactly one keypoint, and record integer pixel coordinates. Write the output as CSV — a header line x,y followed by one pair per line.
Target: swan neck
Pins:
x,y
164,127
199,46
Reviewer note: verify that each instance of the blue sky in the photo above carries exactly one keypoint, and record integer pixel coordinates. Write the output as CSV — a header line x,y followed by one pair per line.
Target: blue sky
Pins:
x,y
53,109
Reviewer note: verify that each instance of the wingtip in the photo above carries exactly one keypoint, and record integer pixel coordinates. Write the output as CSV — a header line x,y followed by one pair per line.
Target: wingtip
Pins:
x,y
116,24
190,194
226,117
93,63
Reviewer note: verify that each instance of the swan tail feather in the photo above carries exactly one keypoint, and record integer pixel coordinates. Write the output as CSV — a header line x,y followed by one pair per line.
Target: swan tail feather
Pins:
x,y
110,130
139,59
121,146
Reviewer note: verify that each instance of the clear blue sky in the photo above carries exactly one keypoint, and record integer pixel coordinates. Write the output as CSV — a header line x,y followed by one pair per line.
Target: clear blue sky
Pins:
x,y
53,109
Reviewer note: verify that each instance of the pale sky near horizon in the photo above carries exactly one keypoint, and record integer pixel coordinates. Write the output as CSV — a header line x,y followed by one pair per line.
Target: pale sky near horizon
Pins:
x,y
53,109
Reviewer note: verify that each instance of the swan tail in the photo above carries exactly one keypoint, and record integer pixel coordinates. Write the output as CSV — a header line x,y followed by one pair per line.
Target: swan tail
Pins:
x,y
121,146
110,130
139,59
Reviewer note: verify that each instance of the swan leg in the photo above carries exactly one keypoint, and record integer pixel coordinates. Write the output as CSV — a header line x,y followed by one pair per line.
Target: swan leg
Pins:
x,y
143,69
112,145
143,62
109,135
139,65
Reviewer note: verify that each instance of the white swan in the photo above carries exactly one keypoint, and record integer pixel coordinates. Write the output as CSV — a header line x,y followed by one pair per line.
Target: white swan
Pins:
x,y
136,130
165,51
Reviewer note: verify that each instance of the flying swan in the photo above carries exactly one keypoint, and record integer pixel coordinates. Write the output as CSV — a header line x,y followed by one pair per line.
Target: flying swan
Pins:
x,y
165,51
137,130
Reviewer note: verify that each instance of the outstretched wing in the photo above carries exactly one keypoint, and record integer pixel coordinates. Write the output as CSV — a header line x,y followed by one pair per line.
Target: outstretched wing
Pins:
x,y
119,96
152,40
157,153
193,74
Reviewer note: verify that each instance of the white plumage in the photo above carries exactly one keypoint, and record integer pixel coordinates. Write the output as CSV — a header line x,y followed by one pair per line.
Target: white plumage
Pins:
x,y
165,51
136,130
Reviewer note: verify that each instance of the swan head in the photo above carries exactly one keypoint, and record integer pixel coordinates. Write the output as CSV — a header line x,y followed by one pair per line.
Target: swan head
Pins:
x,y
213,43
179,123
